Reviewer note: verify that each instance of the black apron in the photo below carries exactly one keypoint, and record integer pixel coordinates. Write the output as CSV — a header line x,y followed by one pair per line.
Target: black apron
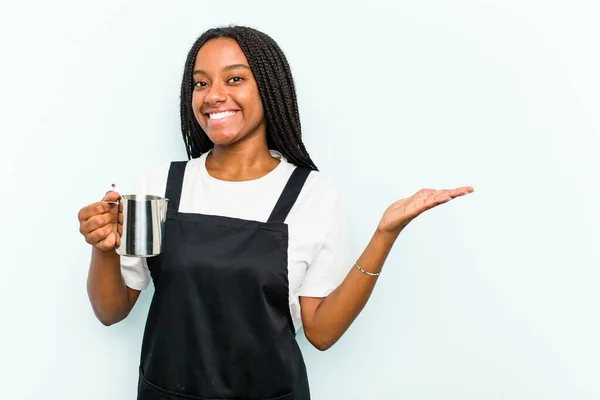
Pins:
x,y
219,325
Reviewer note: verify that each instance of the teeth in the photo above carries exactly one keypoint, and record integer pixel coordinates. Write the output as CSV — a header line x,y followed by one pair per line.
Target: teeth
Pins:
x,y
221,115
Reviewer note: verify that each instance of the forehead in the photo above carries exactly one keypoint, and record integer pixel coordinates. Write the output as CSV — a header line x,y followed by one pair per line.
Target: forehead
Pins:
x,y
218,53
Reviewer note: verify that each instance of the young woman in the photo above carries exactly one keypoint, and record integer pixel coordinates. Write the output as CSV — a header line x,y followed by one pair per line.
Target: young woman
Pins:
x,y
255,245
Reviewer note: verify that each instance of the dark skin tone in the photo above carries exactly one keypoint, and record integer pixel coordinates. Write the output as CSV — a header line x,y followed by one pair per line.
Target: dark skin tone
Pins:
x,y
227,105
224,84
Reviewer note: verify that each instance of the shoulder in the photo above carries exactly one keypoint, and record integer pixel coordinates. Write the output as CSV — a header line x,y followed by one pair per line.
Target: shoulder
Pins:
x,y
321,184
153,179
320,194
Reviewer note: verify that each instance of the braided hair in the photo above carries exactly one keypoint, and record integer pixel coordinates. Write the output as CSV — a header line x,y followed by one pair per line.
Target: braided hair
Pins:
x,y
275,86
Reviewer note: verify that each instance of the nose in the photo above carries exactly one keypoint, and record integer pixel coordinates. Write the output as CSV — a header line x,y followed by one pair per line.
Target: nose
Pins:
x,y
216,94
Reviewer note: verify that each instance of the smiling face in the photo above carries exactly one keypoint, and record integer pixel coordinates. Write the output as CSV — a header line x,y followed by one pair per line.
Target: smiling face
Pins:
x,y
225,99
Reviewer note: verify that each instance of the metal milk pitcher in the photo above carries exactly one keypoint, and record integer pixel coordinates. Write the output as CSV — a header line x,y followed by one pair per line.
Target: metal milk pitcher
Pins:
x,y
143,225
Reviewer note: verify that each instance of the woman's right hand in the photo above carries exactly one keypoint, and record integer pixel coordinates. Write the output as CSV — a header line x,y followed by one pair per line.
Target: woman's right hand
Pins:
x,y
97,222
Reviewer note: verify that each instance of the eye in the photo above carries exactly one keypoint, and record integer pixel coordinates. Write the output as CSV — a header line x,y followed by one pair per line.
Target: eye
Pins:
x,y
235,79
200,84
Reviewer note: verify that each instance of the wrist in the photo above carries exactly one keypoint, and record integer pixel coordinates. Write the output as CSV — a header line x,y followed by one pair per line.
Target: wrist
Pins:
x,y
387,236
105,254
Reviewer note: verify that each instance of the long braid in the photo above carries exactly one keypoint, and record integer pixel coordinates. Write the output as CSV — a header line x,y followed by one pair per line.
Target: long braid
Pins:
x,y
194,137
275,85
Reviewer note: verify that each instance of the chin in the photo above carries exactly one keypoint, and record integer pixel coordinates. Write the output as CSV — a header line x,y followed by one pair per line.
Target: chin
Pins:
x,y
223,138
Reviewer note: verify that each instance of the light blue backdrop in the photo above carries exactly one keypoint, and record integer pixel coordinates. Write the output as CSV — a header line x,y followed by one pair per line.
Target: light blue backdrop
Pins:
x,y
492,296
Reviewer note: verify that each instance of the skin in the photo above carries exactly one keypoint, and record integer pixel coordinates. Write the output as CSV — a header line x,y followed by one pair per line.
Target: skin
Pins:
x,y
224,83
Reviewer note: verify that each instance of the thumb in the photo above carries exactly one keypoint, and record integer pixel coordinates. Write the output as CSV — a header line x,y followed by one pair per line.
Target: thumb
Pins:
x,y
111,196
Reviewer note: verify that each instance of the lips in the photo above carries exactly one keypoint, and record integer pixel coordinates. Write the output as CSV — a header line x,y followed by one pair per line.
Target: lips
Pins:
x,y
220,117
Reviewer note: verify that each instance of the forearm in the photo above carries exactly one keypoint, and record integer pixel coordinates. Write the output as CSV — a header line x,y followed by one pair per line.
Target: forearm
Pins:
x,y
107,291
338,310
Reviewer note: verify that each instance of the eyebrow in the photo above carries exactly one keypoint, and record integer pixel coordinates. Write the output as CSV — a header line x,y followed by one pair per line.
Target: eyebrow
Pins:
x,y
227,68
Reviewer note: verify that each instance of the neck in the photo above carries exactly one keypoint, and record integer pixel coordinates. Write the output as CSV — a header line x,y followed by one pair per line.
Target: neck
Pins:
x,y
241,161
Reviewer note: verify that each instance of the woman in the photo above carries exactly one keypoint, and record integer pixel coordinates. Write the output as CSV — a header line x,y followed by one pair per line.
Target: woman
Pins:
x,y
255,245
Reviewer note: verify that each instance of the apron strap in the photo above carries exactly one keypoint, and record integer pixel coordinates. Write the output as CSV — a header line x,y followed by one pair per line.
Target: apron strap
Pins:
x,y
289,195
174,184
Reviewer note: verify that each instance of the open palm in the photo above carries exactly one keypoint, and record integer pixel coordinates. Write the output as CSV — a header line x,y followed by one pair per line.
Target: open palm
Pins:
x,y
399,214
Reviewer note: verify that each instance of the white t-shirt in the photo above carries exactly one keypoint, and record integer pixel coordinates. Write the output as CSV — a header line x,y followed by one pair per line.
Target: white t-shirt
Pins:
x,y
318,252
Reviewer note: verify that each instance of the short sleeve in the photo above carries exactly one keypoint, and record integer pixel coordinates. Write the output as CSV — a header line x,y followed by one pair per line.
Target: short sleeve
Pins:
x,y
134,270
330,265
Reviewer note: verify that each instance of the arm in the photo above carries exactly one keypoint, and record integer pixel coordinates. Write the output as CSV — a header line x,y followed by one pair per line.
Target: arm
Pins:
x,y
111,299
326,319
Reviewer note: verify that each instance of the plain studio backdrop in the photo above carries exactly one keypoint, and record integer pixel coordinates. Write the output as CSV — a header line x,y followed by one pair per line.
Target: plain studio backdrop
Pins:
x,y
491,296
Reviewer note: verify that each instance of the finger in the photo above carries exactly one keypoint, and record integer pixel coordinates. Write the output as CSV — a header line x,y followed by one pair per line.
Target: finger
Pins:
x,y
465,190
114,213
107,243
96,222
111,196
93,209
460,191
99,235
442,196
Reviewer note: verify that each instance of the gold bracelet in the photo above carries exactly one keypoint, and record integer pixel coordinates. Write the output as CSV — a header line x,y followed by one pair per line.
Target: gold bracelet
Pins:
x,y
366,272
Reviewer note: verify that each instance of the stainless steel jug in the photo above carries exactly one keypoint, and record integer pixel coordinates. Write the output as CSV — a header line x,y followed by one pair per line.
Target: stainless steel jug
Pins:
x,y
143,225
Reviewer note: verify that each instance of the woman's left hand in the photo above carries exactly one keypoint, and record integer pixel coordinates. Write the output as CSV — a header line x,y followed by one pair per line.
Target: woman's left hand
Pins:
x,y
399,214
